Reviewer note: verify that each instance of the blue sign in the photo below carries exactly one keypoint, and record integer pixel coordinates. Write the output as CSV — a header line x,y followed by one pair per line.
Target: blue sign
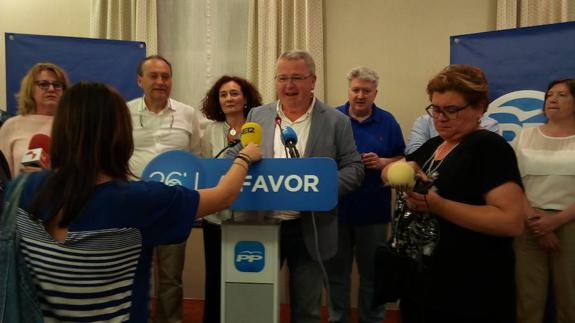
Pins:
x,y
249,256
519,64
303,184
112,62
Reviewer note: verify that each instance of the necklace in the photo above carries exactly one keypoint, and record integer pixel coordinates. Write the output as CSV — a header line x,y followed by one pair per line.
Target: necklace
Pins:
x,y
231,130
430,167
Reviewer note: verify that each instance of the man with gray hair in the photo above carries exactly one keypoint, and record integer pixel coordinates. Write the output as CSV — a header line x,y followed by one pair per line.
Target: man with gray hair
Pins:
x,y
321,132
365,213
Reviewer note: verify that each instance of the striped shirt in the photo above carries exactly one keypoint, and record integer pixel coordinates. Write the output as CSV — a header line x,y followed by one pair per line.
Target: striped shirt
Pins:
x,y
101,271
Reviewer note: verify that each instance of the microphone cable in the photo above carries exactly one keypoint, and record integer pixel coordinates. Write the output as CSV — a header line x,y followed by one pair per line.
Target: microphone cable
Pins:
x,y
230,145
319,260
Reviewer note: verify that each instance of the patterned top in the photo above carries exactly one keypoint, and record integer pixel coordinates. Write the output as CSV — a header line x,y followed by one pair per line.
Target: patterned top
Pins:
x,y
101,271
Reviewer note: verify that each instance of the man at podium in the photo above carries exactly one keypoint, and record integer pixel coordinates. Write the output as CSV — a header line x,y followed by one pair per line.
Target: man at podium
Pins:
x,y
316,130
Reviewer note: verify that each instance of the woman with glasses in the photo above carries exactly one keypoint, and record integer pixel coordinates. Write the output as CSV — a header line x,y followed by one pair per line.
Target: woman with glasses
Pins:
x,y
461,266
40,92
87,232
227,104
546,250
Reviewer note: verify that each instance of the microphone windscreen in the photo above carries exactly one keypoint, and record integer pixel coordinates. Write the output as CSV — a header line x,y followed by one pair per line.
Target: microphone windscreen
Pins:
x,y
289,136
401,174
251,132
40,140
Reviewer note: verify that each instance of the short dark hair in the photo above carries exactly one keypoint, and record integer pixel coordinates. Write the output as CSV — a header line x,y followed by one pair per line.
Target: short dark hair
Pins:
x,y
91,135
567,81
469,81
144,60
211,103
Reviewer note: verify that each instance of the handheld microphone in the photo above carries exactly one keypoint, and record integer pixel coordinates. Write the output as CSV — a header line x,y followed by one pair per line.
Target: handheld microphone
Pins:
x,y
38,154
251,132
289,139
230,145
400,174
279,126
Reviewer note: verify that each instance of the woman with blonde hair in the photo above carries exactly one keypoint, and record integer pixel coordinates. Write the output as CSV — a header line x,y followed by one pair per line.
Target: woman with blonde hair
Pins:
x,y
38,98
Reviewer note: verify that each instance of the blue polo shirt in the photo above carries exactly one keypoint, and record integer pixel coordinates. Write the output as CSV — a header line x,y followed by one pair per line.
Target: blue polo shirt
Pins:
x,y
381,134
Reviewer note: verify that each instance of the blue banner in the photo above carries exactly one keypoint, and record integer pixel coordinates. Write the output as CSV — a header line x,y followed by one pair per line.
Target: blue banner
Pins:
x,y
304,184
519,64
85,59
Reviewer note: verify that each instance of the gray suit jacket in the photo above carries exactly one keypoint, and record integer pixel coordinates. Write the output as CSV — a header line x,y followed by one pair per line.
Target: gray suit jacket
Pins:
x,y
330,135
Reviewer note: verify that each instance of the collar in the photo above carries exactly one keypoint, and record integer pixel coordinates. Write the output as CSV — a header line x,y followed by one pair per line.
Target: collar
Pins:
x,y
306,115
144,108
371,117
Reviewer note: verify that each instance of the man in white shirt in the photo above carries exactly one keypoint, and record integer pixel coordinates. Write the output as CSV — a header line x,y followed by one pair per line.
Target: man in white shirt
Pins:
x,y
160,124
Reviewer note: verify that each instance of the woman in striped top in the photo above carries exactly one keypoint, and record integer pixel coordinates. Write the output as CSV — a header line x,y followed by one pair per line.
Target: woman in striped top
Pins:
x,y
87,233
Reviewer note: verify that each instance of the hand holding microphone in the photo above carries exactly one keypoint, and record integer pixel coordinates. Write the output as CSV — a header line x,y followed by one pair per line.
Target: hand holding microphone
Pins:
x,y
38,155
251,138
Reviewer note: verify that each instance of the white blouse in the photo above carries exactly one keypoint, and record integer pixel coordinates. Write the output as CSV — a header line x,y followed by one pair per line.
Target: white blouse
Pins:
x,y
547,166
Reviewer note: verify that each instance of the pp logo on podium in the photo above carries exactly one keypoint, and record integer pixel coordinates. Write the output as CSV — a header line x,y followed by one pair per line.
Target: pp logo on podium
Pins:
x,y
249,256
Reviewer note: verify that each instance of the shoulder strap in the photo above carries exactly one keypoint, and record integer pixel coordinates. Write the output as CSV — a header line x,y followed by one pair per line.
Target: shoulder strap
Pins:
x,y
11,203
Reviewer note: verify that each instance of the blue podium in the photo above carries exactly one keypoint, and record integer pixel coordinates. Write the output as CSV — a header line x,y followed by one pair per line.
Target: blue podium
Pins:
x,y
250,240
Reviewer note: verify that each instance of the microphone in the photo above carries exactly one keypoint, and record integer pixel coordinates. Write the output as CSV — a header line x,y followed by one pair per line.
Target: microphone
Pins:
x,y
279,125
38,154
230,145
289,139
400,174
251,132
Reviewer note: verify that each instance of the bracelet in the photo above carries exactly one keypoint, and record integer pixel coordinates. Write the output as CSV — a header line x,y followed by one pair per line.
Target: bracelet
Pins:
x,y
244,157
240,164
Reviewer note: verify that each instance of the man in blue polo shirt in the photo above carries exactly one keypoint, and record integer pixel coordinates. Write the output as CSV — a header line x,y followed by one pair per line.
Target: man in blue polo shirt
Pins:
x,y
365,213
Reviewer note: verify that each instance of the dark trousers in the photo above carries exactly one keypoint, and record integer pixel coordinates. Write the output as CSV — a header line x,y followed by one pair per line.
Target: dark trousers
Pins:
x,y
213,253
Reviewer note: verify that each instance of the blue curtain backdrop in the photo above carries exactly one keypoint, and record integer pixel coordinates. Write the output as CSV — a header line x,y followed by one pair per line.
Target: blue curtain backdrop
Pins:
x,y
519,63
85,59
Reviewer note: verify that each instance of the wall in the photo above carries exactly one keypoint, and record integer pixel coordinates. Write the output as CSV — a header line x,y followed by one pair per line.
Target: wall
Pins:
x,y
55,17
405,41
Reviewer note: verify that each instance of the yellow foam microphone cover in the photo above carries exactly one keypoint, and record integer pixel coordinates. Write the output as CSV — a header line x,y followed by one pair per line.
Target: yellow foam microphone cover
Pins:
x,y
251,132
401,174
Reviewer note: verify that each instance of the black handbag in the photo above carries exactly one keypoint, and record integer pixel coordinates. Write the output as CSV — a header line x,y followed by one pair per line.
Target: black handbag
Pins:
x,y
414,236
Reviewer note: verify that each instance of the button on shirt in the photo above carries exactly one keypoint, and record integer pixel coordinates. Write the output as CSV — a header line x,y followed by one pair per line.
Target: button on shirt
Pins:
x,y
176,127
301,127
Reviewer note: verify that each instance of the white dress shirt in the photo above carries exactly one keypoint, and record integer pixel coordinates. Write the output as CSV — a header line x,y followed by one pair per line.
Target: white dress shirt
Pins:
x,y
177,127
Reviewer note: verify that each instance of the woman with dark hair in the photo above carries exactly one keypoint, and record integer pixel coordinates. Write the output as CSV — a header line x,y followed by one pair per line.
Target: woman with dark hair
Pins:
x,y
546,250
87,233
460,242
227,104
40,92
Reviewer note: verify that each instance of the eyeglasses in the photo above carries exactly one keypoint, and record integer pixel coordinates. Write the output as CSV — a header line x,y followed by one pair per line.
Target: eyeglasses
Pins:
x,y
449,112
45,85
293,78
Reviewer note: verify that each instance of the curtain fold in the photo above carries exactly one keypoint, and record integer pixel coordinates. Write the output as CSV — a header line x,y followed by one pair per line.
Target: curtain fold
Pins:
x,y
203,39
278,26
524,13
125,20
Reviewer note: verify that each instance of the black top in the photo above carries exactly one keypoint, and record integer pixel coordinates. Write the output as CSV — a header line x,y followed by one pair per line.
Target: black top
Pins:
x,y
470,272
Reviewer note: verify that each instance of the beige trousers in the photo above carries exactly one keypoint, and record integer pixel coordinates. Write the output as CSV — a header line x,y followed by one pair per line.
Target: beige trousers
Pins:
x,y
535,268
169,292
